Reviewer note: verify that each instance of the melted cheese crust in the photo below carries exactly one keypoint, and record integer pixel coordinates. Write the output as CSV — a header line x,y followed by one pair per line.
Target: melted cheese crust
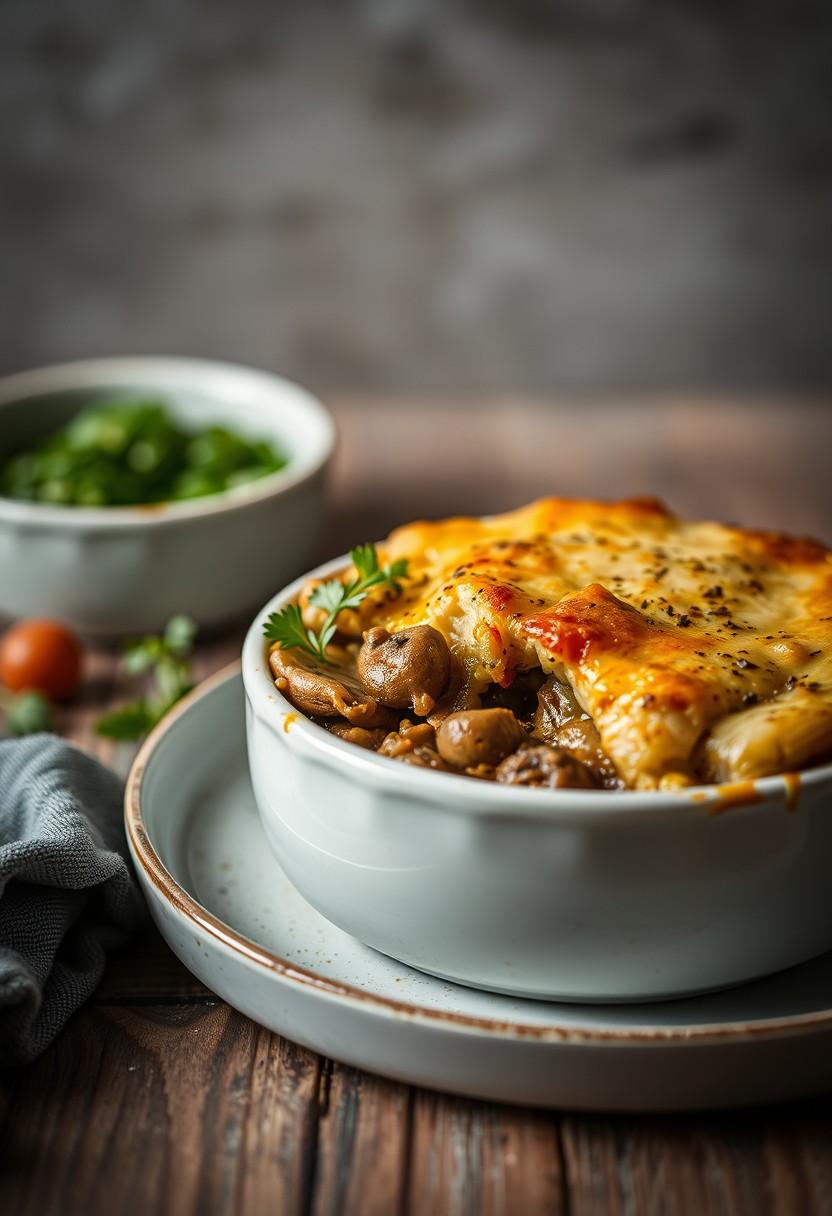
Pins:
x,y
703,652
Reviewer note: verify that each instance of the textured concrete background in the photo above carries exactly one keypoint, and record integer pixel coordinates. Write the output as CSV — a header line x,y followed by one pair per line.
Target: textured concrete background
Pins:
x,y
601,195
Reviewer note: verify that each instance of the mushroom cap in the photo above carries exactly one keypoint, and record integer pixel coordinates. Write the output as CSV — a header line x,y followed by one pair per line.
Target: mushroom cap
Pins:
x,y
474,737
542,765
409,668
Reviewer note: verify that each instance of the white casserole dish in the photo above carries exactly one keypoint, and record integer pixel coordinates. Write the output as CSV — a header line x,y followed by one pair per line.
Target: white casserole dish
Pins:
x,y
124,569
574,895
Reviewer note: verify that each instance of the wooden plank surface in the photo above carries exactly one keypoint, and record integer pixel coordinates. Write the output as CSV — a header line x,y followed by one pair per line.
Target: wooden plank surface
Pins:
x,y
159,1098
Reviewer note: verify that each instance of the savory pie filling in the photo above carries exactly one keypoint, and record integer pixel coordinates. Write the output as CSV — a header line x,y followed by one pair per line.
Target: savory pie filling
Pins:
x,y
581,644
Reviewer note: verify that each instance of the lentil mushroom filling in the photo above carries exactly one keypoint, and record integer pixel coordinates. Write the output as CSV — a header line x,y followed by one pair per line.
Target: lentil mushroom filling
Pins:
x,y
409,672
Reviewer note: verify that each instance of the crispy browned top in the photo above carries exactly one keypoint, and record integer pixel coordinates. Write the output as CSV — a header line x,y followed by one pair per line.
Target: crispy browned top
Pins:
x,y
701,650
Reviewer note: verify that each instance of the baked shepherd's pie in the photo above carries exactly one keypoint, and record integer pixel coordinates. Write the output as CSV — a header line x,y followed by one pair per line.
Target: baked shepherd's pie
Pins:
x,y
572,644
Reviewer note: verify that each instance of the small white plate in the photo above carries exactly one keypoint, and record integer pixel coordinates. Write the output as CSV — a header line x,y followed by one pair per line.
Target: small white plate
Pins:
x,y
227,910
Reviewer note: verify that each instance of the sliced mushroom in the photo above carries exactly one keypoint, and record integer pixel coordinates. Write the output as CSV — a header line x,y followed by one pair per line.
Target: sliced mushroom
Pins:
x,y
409,668
556,705
407,738
463,692
322,695
359,735
560,721
476,737
541,765
424,757
582,741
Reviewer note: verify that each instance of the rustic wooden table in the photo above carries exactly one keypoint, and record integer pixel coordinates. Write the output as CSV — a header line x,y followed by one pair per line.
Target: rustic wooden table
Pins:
x,y
160,1098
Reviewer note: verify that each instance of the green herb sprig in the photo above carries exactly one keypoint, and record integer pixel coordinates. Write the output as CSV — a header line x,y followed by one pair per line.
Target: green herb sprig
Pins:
x,y
287,627
167,657
27,713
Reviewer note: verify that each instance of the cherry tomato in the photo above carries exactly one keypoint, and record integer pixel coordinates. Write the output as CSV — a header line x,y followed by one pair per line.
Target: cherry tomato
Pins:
x,y
41,655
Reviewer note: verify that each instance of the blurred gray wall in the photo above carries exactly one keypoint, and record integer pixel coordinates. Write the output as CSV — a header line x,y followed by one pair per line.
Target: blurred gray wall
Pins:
x,y
416,197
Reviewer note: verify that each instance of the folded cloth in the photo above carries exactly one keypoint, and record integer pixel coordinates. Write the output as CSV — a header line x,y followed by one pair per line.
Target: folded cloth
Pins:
x,y
67,894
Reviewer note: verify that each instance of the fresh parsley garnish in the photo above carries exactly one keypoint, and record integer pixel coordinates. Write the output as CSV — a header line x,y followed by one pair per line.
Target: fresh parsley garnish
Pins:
x,y
133,450
167,657
287,627
29,713
128,722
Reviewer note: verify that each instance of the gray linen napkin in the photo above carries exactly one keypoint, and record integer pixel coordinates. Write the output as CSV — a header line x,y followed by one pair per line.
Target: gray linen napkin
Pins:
x,y
67,895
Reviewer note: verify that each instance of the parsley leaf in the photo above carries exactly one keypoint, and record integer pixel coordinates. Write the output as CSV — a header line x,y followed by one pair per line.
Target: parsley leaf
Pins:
x,y
140,656
287,628
180,632
29,713
128,722
395,571
173,680
167,657
365,560
333,596
328,595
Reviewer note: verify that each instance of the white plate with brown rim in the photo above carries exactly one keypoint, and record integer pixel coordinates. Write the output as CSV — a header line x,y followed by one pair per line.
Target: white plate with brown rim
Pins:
x,y
226,909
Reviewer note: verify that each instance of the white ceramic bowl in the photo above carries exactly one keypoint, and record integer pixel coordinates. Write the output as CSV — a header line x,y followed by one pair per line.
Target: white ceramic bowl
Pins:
x,y
122,569
575,895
